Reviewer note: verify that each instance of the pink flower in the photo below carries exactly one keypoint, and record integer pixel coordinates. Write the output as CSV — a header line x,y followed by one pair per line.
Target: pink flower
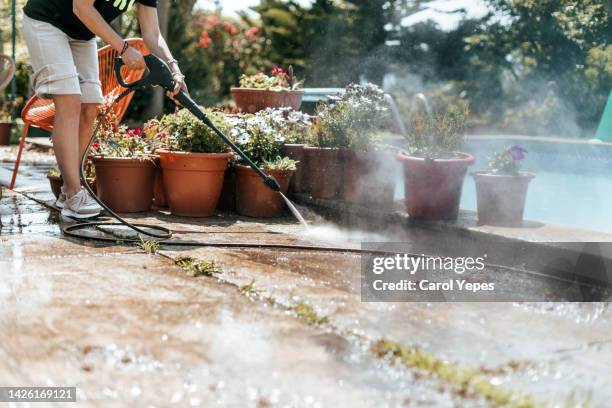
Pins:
x,y
205,40
230,28
517,152
252,33
278,71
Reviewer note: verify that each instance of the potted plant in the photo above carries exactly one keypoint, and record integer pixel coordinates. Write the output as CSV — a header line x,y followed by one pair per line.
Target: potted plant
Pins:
x,y
262,143
125,166
193,161
434,169
366,163
7,109
55,181
294,127
502,190
260,91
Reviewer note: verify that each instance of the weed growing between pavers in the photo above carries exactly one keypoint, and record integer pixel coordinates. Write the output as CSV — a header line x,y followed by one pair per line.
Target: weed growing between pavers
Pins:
x,y
465,382
306,312
196,267
150,247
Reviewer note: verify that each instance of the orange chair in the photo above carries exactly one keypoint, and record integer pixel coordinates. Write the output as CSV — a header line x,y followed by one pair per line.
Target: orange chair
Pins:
x,y
40,112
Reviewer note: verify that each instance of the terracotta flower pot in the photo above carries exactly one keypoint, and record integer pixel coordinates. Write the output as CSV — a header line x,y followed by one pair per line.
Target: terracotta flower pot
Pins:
x,y
193,181
433,187
324,171
159,194
296,152
253,100
125,184
254,199
5,133
501,197
366,178
56,184
227,201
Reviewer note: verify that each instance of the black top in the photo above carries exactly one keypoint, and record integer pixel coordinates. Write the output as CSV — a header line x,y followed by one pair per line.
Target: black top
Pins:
x,y
59,13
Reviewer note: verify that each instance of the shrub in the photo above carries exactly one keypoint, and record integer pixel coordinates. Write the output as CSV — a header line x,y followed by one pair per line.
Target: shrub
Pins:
x,y
352,121
259,140
184,132
440,135
279,80
293,125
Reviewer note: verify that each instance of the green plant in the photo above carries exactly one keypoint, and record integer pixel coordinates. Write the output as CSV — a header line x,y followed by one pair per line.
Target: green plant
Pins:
x,y
260,140
8,107
293,125
184,132
439,135
197,267
352,121
278,80
54,172
507,161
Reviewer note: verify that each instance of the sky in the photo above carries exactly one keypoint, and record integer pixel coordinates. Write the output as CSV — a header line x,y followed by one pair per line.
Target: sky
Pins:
x,y
436,10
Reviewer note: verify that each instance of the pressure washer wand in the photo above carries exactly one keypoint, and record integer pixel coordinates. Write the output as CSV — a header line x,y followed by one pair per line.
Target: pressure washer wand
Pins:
x,y
159,74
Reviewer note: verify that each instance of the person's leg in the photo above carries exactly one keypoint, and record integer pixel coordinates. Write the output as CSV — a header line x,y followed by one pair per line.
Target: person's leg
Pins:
x,y
89,112
85,55
66,140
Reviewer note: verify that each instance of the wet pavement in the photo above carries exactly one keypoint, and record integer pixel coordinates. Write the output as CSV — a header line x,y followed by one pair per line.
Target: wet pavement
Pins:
x,y
276,327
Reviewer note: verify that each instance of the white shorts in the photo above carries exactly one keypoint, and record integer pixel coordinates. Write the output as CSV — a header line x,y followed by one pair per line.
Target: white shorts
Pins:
x,y
62,65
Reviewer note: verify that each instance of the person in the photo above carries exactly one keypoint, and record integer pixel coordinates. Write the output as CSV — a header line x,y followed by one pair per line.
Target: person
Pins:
x,y
60,36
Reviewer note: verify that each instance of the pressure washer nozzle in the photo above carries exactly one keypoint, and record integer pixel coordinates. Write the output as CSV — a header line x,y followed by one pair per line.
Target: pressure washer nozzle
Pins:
x,y
272,183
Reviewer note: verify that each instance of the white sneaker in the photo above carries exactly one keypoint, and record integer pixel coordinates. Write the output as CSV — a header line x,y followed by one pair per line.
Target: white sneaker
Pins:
x,y
91,202
80,206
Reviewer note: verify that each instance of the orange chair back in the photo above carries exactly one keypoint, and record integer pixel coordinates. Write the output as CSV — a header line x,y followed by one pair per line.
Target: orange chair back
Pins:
x,y
41,112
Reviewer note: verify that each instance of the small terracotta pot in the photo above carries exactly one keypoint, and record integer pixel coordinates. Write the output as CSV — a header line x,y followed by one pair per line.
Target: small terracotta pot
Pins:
x,y
367,178
125,184
324,171
296,152
253,100
433,187
193,181
56,185
5,133
159,195
501,198
227,201
254,198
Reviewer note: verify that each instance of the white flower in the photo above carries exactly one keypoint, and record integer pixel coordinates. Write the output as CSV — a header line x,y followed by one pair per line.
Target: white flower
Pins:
x,y
243,139
279,138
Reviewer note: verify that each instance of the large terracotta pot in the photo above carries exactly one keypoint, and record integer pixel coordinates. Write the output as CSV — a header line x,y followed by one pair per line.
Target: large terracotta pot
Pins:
x,y
501,198
324,171
253,100
227,201
433,187
254,198
368,177
193,181
5,133
125,184
296,152
56,185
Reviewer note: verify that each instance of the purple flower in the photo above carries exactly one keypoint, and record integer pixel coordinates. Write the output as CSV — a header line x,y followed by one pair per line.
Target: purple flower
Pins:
x,y
517,152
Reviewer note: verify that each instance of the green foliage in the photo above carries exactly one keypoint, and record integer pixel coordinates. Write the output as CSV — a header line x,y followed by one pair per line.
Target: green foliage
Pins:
x,y
260,140
197,267
353,121
507,161
294,126
9,107
438,136
279,80
184,132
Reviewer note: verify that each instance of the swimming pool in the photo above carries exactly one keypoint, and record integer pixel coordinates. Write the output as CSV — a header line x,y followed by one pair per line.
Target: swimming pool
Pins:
x,y
573,184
